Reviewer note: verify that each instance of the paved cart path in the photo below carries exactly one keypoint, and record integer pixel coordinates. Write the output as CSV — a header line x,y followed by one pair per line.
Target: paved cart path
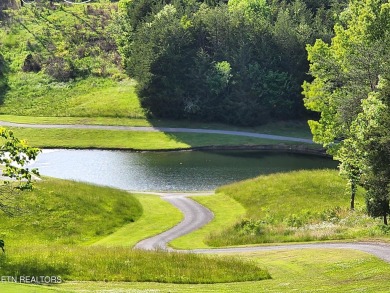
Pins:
x,y
196,216
157,129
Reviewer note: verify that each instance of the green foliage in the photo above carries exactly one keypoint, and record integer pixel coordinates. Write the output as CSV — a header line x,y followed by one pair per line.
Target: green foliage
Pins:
x,y
353,123
240,64
63,41
15,154
370,140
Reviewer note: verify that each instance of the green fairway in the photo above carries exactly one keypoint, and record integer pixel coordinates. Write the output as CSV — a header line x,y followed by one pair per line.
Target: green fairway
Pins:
x,y
158,216
226,212
116,139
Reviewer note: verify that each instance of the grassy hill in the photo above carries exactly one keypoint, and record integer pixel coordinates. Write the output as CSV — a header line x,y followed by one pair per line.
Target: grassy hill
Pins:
x,y
286,207
66,212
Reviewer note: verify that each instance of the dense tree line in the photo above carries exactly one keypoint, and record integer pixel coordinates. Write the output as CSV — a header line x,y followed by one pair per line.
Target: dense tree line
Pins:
x,y
240,63
351,91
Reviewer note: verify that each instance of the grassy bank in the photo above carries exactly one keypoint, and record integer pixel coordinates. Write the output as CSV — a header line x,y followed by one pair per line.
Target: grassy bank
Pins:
x,y
66,212
36,99
36,95
115,139
295,206
284,128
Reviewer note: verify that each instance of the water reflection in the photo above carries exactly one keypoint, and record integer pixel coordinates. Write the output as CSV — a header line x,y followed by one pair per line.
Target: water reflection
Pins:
x,y
169,171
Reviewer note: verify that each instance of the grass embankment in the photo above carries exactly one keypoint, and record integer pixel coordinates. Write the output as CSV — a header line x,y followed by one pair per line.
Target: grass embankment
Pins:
x,y
113,139
36,95
66,212
295,206
61,219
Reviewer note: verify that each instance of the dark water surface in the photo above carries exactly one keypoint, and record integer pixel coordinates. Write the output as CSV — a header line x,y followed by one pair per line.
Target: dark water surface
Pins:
x,y
170,171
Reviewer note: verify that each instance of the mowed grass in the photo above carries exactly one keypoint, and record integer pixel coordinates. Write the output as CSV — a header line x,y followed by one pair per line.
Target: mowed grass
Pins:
x,y
295,206
158,216
67,212
284,128
117,139
309,270
34,94
226,212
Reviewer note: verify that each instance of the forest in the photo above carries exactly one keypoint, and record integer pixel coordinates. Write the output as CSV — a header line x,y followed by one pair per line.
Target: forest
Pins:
x,y
241,62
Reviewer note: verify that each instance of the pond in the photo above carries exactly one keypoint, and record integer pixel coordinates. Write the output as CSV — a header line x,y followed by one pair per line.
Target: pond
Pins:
x,y
170,171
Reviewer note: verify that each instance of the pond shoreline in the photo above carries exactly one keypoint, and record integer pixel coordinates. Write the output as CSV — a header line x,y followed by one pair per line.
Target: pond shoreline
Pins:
x,y
295,149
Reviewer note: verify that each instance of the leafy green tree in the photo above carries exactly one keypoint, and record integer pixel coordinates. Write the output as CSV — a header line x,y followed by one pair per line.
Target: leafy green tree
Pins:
x,y
371,141
16,177
241,63
345,73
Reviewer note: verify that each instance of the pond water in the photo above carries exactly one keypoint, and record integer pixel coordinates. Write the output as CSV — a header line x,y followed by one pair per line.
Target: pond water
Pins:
x,y
170,171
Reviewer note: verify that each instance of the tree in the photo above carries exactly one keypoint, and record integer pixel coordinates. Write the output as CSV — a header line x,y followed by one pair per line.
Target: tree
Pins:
x,y
241,63
371,144
14,155
345,72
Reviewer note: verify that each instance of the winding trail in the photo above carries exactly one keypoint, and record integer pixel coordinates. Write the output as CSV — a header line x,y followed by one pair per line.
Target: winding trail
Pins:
x,y
157,129
196,216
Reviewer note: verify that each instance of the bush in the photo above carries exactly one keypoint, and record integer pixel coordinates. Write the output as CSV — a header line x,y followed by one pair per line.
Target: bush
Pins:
x,y
60,69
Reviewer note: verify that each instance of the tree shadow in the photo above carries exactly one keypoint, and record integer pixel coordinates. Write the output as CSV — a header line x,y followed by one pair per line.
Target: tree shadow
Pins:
x,y
4,87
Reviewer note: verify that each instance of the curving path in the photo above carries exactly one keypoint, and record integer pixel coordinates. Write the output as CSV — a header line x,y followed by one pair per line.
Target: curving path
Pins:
x,y
196,216
157,129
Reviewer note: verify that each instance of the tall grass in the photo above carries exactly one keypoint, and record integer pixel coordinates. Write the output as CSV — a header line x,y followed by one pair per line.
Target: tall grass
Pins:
x,y
295,206
121,264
